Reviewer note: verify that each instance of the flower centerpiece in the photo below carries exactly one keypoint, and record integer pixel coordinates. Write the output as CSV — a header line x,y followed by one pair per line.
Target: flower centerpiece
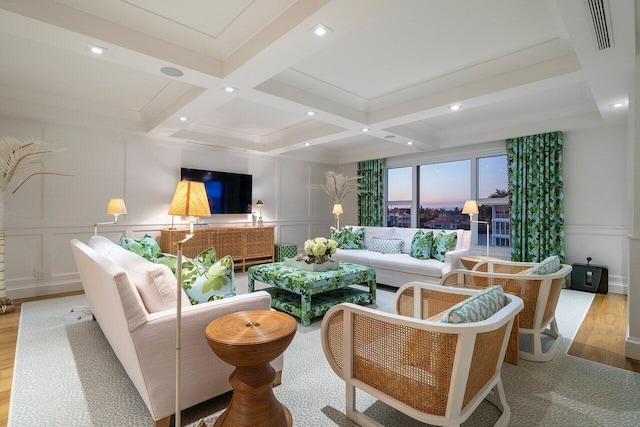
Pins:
x,y
319,250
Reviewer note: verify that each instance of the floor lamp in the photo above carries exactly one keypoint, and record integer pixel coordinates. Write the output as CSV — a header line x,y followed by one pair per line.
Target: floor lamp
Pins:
x,y
189,200
471,208
337,210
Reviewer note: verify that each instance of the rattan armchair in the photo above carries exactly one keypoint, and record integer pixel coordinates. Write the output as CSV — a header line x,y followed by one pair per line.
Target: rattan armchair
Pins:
x,y
540,294
434,372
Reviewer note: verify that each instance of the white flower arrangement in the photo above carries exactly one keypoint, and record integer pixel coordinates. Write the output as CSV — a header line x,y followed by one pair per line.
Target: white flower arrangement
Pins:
x,y
319,249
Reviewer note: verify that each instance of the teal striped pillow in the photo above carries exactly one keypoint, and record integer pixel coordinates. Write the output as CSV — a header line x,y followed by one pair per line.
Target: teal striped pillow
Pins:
x,y
476,308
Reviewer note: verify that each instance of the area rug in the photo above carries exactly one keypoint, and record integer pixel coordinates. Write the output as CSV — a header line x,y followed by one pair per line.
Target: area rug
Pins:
x,y
65,374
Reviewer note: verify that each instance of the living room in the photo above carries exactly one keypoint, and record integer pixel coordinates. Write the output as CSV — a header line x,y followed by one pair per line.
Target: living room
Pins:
x,y
116,118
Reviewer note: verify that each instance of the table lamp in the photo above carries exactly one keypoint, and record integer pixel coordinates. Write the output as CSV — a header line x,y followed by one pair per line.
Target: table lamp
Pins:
x,y
337,210
189,200
115,207
471,208
259,204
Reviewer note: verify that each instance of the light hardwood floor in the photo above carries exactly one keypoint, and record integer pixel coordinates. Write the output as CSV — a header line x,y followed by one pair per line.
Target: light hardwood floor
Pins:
x,y
600,339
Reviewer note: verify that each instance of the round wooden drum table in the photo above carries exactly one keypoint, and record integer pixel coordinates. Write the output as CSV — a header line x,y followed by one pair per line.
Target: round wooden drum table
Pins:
x,y
249,340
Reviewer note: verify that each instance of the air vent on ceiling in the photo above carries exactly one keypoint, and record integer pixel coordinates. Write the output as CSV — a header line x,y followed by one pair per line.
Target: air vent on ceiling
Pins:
x,y
601,23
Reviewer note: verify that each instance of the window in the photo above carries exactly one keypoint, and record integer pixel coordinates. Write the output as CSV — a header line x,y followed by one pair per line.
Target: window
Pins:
x,y
444,187
399,197
493,200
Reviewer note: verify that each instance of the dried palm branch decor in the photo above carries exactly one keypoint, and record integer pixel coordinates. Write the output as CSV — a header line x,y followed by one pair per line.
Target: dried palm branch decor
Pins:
x,y
19,161
338,186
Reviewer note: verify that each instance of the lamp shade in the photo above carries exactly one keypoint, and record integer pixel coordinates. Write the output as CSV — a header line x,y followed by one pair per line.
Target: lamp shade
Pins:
x,y
337,209
470,207
190,199
259,203
116,207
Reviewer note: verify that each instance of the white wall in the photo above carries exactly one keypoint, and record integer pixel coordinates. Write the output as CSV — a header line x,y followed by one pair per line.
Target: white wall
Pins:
x,y
49,211
596,208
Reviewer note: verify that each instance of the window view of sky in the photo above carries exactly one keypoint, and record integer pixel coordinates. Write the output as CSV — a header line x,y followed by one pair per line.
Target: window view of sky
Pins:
x,y
445,185
492,175
448,185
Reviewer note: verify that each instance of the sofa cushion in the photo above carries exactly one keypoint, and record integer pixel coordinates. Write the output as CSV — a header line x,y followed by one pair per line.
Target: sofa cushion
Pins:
x,y
421,245
406,264
355,256
380,232
348,238
476,308
155,282
145,246
548,265
386,246
405,234
443,242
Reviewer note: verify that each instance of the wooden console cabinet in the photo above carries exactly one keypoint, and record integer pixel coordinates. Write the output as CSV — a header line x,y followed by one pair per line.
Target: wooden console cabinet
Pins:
x,y
246,245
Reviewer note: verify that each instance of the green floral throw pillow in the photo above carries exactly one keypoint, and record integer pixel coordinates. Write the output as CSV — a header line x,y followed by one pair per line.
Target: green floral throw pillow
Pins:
x,y
421,245
443,243
348,238
203,278
144,246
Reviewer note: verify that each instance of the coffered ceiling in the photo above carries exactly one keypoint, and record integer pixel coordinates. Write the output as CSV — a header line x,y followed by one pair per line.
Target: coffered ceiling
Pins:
x,y
396,67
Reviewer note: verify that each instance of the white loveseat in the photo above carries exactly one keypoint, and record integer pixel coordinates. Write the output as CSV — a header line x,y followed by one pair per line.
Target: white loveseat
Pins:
x,y
134,302
398,269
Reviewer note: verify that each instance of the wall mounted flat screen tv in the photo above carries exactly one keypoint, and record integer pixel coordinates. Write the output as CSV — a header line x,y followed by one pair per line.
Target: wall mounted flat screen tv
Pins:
x,y
228,193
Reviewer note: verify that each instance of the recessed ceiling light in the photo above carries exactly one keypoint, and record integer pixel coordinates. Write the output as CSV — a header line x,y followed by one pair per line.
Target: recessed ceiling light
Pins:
x,y
229,89
389,136
171,72
311,113
455,107
618,104
183,118
98,50
306,144
321,30
410,143
365,129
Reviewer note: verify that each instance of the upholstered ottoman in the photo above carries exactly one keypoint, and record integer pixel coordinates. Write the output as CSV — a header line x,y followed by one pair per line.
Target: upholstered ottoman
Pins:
x,y
288,250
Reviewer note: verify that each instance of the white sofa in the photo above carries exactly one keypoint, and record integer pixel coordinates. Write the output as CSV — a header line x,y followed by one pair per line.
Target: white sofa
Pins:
x,y
134,302
398,269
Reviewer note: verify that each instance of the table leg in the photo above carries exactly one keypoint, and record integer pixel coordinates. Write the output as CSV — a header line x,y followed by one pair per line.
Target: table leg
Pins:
x,y
372,290
305,309
250,284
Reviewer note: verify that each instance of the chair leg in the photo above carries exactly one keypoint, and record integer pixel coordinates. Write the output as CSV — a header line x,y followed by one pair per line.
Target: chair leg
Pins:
x,y
499,400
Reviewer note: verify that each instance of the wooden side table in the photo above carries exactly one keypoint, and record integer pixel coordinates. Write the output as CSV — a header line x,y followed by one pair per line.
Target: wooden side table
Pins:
x,y
249,340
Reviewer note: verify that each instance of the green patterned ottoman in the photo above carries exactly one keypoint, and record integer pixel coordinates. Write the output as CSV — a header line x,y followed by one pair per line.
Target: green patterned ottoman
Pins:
x,y
288,250
308,294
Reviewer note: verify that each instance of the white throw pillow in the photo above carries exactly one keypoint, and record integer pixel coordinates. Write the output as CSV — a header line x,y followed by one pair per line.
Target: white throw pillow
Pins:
x,y
156,283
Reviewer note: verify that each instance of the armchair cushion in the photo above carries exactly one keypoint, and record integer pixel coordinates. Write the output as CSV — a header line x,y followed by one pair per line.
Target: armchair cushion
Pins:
x,y
548,265
421,245
386,246
348,238
443,243
478,307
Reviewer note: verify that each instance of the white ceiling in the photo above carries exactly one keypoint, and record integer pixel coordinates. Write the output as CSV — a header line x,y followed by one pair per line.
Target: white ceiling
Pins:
x,y
515,66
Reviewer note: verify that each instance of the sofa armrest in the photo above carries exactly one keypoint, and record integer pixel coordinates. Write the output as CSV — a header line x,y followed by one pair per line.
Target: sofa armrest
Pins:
x,y
452,260
204,374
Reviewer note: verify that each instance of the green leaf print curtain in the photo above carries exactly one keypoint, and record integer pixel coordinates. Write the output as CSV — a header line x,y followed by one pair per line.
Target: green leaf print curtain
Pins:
x,y
371,195
536,197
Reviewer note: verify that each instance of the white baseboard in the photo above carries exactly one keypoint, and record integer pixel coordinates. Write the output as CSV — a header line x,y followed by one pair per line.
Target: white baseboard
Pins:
x,y
632,348
43,289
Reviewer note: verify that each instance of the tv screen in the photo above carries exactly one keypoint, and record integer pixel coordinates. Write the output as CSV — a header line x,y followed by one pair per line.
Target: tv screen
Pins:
x,y
228,193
